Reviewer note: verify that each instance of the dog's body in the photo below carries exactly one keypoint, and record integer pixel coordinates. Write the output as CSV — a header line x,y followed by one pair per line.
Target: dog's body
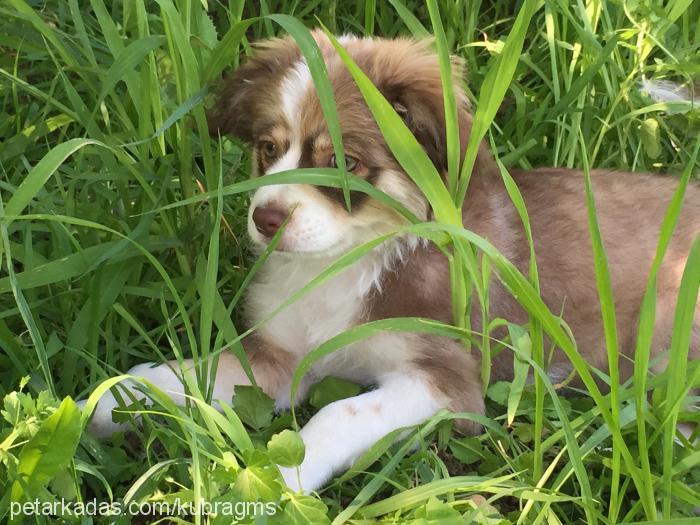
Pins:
x,y
270,103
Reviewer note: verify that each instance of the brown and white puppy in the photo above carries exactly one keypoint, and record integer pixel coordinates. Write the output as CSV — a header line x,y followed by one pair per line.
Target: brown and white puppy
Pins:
x,y
270,102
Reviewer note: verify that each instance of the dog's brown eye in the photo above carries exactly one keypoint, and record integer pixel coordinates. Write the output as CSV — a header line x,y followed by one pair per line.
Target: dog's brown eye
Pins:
x,y
268,148
351,163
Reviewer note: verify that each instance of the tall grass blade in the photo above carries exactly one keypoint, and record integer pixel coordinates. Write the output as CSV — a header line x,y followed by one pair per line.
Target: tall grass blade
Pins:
x,y
607,310
412,23
537,338
493,89
645,331
408,152
324,90
39,174
686,309
448,96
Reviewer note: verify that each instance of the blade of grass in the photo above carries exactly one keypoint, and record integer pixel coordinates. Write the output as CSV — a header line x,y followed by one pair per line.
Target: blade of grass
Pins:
x,y
533,304
39,174
448,96
537,338
607,310
315,176
207,290
678,361
24,310
412,23
645,331
493,89
408,152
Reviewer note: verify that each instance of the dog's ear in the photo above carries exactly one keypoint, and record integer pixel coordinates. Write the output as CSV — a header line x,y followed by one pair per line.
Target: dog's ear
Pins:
x,y
250,89
426,120
414,88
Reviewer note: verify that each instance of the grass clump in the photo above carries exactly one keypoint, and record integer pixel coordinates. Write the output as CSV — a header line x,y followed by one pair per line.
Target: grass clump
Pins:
x,y
122,235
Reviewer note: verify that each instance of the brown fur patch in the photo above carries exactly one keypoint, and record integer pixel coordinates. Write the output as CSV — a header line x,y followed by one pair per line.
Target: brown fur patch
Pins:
x,y
271,365
249,97
454,374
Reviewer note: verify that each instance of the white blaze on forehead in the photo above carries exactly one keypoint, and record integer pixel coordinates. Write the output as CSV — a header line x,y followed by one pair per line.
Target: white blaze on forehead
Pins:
x,y
288,161
314,226
295,86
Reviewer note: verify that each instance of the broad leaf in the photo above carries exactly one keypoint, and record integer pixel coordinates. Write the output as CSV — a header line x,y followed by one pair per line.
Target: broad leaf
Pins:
x,y
49,451
286,448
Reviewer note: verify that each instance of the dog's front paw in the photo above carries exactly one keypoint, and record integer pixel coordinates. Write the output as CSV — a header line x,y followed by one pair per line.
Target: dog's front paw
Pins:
x,y
306,477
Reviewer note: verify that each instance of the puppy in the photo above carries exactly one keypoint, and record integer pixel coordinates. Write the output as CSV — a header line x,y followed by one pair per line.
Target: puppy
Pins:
x,y
271,104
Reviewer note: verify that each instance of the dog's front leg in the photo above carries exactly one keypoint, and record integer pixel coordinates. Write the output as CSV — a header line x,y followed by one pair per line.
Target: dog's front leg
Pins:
x,y
341,431
272,368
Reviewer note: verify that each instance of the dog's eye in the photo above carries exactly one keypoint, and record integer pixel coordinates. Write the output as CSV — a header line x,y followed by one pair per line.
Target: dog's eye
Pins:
x,y
268,148
351,163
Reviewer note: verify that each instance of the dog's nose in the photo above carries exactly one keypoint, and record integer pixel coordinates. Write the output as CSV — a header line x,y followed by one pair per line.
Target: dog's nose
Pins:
x,y
268,219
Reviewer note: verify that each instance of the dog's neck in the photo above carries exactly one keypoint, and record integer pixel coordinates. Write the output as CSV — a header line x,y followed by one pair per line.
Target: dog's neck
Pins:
x,y
365,273
328,308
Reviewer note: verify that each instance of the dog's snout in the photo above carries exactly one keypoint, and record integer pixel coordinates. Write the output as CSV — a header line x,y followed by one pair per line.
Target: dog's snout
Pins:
x,y
268,219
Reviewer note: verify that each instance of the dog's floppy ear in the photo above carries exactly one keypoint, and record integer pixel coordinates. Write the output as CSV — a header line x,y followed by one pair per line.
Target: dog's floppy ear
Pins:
x,y
425,117
252,88
411,82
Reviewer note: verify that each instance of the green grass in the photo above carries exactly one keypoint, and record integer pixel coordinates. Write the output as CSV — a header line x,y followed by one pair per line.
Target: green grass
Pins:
x,y
122,236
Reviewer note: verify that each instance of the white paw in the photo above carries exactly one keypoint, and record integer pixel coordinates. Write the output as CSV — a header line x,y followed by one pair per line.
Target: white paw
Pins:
x,y
289,475
312,477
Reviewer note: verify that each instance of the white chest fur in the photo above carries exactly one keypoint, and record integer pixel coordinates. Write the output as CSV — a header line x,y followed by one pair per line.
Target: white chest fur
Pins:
x,y
323,312
319,314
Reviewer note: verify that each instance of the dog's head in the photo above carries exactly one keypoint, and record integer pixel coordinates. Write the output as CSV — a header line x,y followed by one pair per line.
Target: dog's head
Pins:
x,y
270,102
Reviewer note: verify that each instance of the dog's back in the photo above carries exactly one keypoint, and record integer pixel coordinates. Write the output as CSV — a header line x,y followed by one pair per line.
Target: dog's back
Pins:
x,y
630,210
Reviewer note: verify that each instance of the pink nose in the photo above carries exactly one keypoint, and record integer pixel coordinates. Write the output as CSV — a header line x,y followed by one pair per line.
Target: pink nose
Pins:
x,y
268,219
